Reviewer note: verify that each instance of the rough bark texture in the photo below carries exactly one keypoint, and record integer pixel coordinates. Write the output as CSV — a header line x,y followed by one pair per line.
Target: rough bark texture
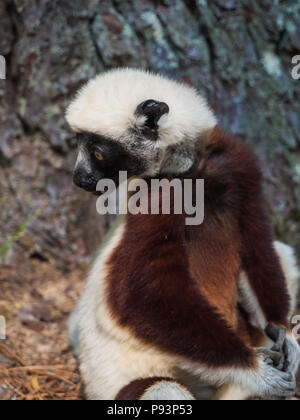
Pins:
x,y
238,53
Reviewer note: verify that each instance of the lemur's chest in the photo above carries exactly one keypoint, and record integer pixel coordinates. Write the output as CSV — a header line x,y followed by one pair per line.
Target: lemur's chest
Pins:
x,y
154,270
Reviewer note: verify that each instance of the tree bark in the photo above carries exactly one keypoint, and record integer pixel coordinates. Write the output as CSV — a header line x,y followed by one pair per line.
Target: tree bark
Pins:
x,y
238,53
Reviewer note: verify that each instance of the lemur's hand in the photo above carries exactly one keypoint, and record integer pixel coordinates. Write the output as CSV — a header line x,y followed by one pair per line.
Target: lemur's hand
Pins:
x,y
278,335
272,358
269,381
286,346
276,375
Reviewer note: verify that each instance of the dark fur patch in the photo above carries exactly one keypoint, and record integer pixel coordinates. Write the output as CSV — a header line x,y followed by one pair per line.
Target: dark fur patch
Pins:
x,y
136,389
116,157
176,286
259,258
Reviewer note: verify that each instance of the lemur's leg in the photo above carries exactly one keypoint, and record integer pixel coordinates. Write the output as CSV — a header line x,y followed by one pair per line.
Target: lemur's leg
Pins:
x,y
231,393
284,341
291,271
292,276
155,389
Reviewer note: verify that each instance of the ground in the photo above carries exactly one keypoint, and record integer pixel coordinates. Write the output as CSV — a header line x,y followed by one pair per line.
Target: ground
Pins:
x,y
36,362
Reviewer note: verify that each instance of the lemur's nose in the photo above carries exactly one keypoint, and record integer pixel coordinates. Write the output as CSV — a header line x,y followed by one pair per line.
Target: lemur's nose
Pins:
x,y
85,180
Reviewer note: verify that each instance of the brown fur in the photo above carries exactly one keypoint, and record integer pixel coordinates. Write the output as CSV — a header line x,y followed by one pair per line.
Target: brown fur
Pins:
x,y
136,389
259,258
175,286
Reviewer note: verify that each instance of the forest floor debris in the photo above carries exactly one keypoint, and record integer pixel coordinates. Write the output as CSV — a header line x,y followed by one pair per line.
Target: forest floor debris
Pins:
x,y
36,362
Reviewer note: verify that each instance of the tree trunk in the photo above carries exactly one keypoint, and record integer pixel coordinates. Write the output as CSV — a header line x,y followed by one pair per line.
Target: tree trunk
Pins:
x,y
238,53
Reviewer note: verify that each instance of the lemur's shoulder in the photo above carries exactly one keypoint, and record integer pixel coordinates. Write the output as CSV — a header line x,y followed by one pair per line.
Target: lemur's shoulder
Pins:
x,y
226,155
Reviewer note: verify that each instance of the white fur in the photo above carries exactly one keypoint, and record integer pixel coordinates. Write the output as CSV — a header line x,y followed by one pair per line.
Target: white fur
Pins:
x,y
249,301
289,265
106,106
232,393
247,297
293,354
265,380
167,391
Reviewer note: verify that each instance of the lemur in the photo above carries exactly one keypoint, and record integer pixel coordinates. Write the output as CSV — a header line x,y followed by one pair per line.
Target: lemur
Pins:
x,y
172,311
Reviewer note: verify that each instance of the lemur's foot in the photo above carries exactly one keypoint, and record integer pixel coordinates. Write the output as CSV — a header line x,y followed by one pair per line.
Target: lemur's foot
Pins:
x,y
269,380
272,358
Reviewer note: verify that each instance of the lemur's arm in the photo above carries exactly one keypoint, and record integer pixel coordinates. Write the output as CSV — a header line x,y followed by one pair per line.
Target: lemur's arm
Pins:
x,y
265,278
259,258
233,166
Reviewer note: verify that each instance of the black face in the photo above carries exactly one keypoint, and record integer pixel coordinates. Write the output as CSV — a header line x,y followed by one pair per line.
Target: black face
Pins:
x,y
103,158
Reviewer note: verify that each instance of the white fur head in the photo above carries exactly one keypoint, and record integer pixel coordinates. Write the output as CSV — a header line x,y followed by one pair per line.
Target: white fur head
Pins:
x,y
112,106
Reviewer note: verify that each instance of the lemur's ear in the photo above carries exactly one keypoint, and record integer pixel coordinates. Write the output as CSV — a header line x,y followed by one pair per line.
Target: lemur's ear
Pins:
x,y
153,110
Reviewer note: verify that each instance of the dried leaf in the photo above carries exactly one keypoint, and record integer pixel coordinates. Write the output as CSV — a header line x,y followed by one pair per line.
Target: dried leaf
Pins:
x,y
35,383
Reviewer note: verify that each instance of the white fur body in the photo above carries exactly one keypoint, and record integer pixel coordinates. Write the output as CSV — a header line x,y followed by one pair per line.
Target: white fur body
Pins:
x,y
111,357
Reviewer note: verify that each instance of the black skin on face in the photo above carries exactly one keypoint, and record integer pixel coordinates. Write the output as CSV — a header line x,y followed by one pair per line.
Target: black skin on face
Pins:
x,y
115,159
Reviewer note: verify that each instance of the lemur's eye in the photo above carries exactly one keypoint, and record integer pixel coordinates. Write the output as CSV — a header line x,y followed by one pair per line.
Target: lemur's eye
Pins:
x,y
98,156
